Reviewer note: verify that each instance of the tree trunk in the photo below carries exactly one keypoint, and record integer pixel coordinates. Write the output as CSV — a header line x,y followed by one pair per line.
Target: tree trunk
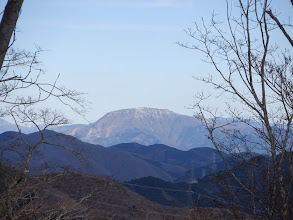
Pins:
x,y
7,26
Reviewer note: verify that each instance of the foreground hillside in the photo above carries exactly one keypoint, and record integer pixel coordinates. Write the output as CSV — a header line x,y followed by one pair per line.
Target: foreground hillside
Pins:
x,y
66,195
70,195
110,200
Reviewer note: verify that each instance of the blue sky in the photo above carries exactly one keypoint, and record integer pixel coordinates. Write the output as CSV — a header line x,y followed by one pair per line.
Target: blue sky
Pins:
x,y
122,53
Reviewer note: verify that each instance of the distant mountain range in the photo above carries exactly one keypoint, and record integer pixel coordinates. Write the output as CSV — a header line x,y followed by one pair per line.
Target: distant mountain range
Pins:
x,y
6,126
146,126
211,189
194,158
95,158
122,162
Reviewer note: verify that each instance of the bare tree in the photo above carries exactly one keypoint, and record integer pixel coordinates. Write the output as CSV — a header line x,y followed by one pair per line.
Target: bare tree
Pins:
x,y
254,73
22,94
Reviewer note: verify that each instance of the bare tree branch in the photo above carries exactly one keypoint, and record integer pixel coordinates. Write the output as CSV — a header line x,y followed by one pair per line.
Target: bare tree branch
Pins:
x,y
269,12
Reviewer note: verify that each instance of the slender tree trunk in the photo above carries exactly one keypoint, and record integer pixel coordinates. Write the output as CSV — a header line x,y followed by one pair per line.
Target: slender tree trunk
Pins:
x,y
7,26
9,215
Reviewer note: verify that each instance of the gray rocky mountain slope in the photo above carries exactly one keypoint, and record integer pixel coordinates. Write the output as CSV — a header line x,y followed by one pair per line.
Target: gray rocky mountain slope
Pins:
x,y
145,126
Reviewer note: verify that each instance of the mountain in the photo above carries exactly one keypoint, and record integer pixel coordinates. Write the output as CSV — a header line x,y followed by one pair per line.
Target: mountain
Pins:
x,y
194,158
7,126
124,161
220,189
218,166
195,173
175,194
95,159
145,126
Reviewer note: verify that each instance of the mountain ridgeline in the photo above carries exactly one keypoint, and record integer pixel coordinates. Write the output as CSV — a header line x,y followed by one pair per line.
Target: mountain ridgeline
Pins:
x,y
146,126
123,162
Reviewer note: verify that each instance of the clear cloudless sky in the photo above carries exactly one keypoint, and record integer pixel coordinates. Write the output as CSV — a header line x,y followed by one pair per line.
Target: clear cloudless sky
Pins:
x,y
121,53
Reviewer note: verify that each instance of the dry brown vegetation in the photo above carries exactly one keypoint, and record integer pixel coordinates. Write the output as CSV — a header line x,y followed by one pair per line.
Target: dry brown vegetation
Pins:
x,y
70,195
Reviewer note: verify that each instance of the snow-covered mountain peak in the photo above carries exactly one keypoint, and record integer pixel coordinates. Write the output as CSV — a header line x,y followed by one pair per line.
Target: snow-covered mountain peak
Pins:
x,y
152,112
144,126
138,113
